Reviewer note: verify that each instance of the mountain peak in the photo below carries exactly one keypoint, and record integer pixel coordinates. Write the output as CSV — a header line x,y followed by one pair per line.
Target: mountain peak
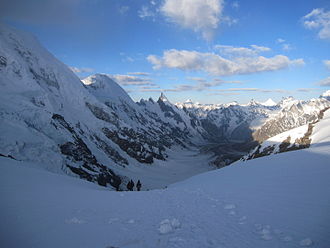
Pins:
x,y
288,98
105,88
286,101
326,94
253,102
163,98
269,102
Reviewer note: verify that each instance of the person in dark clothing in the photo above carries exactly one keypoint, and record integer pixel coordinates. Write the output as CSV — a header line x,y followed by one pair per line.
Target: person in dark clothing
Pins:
x,y
129,185
138,185
132,185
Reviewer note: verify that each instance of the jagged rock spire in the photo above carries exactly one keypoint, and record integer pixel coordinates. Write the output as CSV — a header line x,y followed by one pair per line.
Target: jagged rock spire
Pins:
x,y
163,98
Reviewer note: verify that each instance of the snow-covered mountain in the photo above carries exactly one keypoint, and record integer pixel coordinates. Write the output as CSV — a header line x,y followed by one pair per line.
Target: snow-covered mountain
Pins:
x,y
294,139
326,95
293,113
229,121
92,129
269,102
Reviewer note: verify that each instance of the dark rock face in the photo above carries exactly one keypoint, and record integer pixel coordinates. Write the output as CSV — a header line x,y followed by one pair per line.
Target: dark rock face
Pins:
x,y
136,145
211,128
112,153
7,156
45,78
231,122
242,132
99,113
80,159
130,112
3,61
169,112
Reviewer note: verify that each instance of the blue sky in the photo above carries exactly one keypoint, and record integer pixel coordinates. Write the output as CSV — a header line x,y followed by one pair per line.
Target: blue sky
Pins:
x,y
211,51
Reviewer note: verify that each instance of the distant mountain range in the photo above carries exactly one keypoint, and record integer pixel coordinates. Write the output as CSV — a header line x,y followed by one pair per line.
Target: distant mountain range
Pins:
x,y
91,128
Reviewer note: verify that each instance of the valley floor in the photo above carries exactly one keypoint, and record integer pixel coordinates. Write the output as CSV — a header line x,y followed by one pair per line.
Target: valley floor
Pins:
x,y
279,202
180,165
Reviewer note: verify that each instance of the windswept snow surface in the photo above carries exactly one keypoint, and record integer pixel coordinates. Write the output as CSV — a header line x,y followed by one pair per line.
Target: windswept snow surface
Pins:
x,y
274,201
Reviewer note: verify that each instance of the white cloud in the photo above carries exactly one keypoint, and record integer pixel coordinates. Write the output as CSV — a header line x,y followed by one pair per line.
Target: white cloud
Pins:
x,y
327,64
215,64
225,94
227,82
200,84
199,15
324,82
236,90
139,73
81,70
286,47
260,48
128,80
305,89
146,87
123,10
128,59
254,50
318,19
145,12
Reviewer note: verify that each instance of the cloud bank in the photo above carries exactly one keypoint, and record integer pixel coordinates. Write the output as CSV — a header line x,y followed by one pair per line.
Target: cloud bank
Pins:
x,y
324,82
217,65
129,80
232,51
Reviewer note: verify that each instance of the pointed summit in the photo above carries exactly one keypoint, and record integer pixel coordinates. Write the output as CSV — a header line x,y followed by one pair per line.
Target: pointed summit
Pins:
x,y
163,98
269,103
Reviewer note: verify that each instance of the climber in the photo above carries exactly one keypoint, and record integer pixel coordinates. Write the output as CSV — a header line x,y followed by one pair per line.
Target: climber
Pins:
x,y
138,185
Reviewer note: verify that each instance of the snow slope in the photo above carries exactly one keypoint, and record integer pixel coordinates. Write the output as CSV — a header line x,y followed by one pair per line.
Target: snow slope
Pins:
x,y
273,201
321,134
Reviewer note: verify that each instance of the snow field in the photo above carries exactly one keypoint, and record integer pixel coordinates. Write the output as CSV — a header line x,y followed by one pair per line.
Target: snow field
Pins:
x,y
275,201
